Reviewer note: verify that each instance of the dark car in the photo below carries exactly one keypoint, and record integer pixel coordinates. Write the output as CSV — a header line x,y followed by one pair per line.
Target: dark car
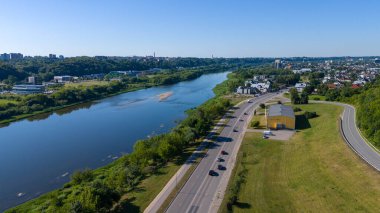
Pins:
x,y
235,130
220,160
224,152
241,120
221,167
212,173
245,113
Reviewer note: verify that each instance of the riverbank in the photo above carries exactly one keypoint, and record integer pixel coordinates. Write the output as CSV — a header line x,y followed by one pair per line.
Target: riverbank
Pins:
x,y
109,175
7,122
71,96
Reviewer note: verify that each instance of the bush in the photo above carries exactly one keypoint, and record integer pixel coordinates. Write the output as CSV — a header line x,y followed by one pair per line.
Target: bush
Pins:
x,y
81,176
316,98
255,124
297,109
262,106
309,115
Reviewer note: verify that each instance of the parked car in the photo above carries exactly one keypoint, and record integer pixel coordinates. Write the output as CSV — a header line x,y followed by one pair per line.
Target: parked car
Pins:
x,y
241,120
224,152
245,113
221,167
235,130
220,159
212,173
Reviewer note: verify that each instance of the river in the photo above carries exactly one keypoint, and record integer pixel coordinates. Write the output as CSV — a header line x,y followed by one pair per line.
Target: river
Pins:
x,y
39,154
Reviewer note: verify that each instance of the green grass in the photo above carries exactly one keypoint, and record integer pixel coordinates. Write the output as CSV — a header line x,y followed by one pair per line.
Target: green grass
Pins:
x,y
321,97
313,172
86,83
4,102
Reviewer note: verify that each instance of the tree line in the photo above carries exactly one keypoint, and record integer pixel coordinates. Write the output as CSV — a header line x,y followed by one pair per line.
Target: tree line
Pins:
x,y
45,68
70,95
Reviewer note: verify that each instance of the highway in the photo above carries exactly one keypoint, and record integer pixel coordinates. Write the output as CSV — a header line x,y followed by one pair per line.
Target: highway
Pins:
x,y
198,193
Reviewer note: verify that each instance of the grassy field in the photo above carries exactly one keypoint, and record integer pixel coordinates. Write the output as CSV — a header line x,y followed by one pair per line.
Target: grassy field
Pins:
x,y
315,171
313,97
86,83
4,102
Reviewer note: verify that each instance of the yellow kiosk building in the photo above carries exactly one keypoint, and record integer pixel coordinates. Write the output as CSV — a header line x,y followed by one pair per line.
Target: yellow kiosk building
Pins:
x,y
281,117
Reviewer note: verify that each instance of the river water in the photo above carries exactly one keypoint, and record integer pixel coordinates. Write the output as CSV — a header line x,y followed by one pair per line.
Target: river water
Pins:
x,y
39,154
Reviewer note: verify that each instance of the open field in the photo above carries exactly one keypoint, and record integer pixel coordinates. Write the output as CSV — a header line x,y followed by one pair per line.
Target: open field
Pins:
x,y
315,171
86,83
314,97
4,102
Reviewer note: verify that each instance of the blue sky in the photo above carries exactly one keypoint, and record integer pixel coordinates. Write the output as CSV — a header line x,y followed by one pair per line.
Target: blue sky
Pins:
x,y
200,28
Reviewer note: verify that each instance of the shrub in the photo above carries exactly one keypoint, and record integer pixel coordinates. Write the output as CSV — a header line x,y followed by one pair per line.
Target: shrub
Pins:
x,y
81,176
309,115
262,106
316,98
297,109
255,124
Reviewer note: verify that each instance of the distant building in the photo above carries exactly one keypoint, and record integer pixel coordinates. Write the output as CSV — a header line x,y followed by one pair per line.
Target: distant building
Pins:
x,y
16,56
63,79
5,57
246,90
52,56
300,86
303,70
277,63
24,89
32,80
61,57
281,117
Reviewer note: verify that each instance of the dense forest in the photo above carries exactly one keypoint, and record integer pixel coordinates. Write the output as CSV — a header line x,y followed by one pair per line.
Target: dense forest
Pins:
x,y
368,112
45,68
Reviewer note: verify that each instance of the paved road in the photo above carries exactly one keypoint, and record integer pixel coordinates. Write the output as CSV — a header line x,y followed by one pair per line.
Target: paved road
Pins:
x,y
354,139
198,193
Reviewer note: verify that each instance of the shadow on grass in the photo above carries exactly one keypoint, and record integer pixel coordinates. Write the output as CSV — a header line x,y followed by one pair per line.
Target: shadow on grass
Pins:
x,y
127,206
221,125
241,205
302,122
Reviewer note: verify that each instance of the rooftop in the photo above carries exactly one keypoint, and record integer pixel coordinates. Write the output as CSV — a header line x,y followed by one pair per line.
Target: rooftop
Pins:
x,y
281,110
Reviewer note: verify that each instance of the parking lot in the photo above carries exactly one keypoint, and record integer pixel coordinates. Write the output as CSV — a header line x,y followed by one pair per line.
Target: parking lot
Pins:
x,y
282,135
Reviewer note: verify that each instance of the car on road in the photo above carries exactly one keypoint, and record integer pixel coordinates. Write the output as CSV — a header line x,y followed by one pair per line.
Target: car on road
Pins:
x,y
220,159
235,130
241,120
224,152
245,113
212,173
221,167
250,101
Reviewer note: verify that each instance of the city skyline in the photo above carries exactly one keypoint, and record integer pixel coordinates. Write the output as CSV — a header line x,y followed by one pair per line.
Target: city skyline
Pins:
x,y
191,29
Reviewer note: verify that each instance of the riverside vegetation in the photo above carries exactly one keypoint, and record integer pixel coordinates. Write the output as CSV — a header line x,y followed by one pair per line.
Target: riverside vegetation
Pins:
x,y
117,187
13,107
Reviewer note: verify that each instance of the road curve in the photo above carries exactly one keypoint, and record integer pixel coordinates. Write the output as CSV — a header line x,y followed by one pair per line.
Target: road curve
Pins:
x,y
200,189
353,138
